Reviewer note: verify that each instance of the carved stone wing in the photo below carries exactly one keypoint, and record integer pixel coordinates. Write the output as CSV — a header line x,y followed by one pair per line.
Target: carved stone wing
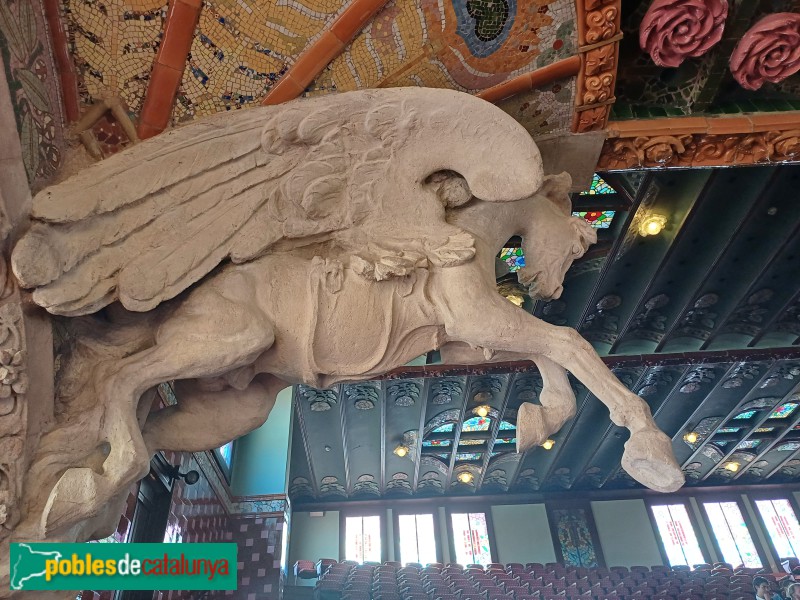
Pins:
x,y
143,225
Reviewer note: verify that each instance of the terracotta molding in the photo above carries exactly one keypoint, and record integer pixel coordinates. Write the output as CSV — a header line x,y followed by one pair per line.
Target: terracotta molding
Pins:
x,y
66,68
598,39
165,78
529,81
313,60
769,138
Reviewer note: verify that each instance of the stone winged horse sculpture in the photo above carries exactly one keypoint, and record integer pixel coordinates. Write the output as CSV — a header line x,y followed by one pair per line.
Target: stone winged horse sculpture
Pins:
x,y
320,241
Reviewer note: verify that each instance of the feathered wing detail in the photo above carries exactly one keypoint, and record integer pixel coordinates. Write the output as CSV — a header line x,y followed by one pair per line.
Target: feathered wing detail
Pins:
x,y
144,225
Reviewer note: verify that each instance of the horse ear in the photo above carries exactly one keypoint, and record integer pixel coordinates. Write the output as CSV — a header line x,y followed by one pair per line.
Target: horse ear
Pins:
x,y
556,189
586,233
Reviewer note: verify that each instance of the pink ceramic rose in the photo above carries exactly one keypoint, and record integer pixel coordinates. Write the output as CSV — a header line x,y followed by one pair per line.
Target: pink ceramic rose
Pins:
x,y
674,30
769,51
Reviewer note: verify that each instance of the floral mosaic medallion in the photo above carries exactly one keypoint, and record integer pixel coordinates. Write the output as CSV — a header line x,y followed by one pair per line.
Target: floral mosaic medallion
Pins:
x,y
33,85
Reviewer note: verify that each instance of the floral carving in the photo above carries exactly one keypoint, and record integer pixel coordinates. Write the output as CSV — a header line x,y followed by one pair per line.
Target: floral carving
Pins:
x,y
592,119
768,52
674,30
601,24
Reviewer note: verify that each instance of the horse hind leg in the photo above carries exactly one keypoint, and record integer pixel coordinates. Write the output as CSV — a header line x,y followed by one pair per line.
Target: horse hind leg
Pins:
x,y
202,339
208,418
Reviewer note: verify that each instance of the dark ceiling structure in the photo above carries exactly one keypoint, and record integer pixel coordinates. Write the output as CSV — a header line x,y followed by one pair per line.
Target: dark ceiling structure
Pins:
x,y
701,320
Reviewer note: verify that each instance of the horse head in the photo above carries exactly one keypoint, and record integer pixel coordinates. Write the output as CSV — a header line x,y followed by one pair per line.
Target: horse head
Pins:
x,y
552,239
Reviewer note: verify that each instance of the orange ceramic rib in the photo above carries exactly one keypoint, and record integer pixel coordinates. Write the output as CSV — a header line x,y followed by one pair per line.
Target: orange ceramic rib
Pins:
x,y
535,79
319,55
65,66
168,68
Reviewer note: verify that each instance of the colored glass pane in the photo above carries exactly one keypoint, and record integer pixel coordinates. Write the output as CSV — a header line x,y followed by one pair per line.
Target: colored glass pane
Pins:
x,y
745,415
783,411
493,454
598,186
574,538
747,444
363,539
599,219
513,257
226,453
435,443
444,455
788,447
506,440
720,443
471,442
506,426
782,526
732,534
468,456
728,429
677,534
417,539
764,429
476,424
471,538
446,428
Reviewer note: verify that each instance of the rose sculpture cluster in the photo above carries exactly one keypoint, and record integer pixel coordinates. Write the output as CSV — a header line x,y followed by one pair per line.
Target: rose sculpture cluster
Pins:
x,y
674,30
768,52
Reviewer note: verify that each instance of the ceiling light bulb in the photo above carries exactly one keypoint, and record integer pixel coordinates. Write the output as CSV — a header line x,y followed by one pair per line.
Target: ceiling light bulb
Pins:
x,y
652,225
732,466
548,444
482,411
516,299
465,477
691,437
401,450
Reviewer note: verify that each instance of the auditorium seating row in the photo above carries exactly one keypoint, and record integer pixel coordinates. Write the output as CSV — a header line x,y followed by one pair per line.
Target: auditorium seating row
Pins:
x,y
534,581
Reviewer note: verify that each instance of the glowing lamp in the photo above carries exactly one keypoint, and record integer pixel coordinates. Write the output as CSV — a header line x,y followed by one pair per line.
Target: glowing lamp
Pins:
x,y
652,225
548,444
465,477
482,410
401,450
691,437
732,466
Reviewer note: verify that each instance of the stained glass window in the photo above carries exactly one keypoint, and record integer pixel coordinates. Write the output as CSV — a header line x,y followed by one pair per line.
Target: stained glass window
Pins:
x,y
471,442
598,186
782,526
444,455
728,429
471,538
446,428
788,447
506,426
436,443
599,219
677,534
468,456
764,429
732,535
745,415
493,454
783,411
417,539
720,443
226,452
363,539
506,440
748,444
513,257
476,424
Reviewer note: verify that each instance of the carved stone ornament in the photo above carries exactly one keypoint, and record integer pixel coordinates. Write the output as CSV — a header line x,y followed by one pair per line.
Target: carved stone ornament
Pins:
x,y
319,241
768,52
674,30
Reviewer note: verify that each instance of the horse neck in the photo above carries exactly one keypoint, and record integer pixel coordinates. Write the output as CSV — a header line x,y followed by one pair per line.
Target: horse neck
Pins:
x,y
492,223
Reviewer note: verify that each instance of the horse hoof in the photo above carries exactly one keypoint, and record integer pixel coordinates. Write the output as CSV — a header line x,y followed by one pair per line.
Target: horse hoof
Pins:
x,y
75,497
531,427
648,458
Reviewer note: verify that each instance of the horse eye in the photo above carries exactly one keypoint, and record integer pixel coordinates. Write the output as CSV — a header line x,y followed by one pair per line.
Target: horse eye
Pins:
x,y
576,249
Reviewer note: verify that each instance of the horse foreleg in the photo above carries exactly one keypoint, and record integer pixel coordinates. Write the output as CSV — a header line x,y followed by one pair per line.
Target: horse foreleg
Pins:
x,y
491,322
205,418
535,423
